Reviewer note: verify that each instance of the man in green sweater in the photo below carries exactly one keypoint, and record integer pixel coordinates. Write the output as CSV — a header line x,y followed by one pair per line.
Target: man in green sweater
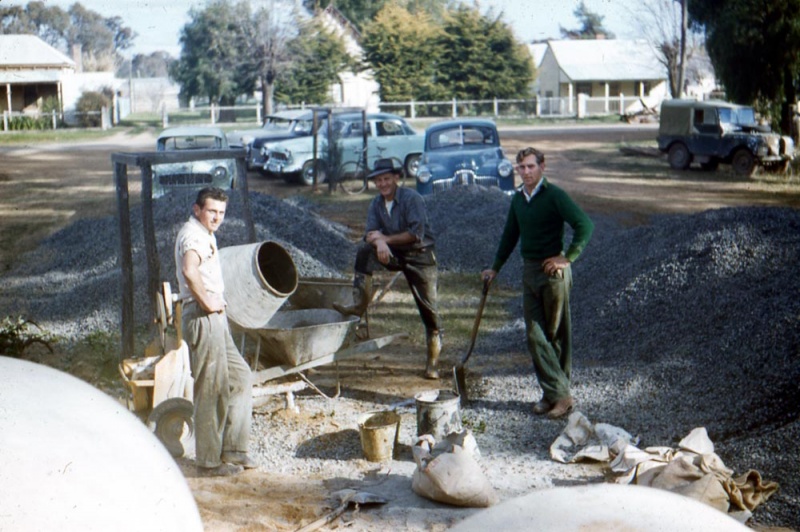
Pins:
x,y
536,219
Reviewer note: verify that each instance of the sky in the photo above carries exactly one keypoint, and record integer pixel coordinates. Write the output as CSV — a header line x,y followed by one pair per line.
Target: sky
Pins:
x,y
158,22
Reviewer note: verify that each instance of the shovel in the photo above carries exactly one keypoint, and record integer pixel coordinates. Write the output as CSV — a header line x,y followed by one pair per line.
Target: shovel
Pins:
x,y
458,370
344,498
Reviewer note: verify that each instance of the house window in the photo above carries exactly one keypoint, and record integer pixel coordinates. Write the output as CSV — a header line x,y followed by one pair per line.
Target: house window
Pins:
x,y
583,88
614,89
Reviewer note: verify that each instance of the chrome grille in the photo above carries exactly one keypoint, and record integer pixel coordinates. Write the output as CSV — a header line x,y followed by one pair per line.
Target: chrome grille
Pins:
x,y
185,179
465,178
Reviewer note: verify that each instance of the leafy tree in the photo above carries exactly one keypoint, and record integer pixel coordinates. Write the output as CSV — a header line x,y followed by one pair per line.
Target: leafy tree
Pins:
x,y
755,49
318,57
100,39
89,106
591,25
267,45
214,58
359,12
481,58
401,49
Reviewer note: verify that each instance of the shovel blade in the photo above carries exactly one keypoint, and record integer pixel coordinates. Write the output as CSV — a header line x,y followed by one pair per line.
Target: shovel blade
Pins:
x,y
460,378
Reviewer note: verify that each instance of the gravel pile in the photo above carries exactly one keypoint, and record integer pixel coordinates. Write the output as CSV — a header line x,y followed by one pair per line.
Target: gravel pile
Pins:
x,y
690,321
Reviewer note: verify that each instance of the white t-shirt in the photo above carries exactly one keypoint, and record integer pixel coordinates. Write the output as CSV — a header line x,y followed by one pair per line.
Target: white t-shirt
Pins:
x,y
193,236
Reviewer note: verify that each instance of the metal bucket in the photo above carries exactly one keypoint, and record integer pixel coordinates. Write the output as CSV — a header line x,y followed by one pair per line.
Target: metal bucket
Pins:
x,y
379,432
258,279
438,413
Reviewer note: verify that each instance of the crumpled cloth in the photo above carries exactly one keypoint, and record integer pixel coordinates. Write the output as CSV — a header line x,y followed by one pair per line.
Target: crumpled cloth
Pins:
x,y
692,469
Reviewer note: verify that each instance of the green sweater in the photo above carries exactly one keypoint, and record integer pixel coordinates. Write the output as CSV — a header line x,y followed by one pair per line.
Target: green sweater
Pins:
x,y
539,226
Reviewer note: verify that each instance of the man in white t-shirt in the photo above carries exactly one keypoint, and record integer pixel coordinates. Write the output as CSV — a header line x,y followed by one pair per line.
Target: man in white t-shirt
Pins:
x,y
223,403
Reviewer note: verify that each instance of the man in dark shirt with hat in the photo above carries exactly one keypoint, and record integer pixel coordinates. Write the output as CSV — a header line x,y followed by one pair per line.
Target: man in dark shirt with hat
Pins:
x,y
399,237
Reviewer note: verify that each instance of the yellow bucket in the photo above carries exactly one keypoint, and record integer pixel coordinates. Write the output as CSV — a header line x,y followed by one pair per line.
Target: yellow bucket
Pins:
x,y
379,432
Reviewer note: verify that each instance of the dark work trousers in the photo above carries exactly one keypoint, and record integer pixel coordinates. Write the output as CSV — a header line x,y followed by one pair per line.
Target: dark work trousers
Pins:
x,y
545,303
223,389
419,269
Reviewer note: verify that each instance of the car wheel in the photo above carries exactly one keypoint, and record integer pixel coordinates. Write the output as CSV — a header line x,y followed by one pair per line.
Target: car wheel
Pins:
x,y
307,173
679,156
710,165
412,164
743,162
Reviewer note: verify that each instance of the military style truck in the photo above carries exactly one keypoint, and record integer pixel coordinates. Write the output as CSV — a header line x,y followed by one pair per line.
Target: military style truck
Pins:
x,y
713,132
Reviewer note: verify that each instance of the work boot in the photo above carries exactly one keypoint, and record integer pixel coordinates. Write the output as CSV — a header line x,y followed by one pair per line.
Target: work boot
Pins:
x,y
434,339
362,295
542,407
561,408
239,458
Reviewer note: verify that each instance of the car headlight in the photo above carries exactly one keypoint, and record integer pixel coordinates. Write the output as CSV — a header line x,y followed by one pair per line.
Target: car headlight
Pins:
x,y
424,174
219,172
505,168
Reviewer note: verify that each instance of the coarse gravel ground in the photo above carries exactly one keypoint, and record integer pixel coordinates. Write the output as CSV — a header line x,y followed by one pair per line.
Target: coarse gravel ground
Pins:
x,y
689,321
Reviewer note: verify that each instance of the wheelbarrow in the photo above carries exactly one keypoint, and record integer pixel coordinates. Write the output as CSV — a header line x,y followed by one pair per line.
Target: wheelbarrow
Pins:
x,y
160,384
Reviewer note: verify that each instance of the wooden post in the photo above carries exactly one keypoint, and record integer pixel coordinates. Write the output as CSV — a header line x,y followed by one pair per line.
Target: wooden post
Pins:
x,y
148,226
125,259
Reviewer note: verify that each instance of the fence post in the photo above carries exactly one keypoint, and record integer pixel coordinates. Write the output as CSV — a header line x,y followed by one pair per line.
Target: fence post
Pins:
x,y
621,104
53,112
455,108
494,102
413,110
104,121
5,120
258,114
213,115
538,107
164,117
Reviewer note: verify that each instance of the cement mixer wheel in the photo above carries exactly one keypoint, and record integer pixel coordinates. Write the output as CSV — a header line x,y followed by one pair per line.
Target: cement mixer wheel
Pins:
x,y
173,424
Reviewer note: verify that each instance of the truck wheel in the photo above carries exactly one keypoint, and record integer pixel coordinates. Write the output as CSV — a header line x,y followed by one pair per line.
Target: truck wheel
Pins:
x,y
679,156
743,162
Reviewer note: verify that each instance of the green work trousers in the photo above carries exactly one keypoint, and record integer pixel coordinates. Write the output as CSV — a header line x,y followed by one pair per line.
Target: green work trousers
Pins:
x,y
548,328
223,389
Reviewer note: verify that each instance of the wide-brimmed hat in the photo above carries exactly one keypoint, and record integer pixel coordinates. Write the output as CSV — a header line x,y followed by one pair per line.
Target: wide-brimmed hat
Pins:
x,y
384,166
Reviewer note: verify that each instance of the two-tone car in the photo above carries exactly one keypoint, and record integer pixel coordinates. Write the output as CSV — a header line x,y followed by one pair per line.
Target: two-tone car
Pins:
x,y
463,152
386,135
193,174
279,126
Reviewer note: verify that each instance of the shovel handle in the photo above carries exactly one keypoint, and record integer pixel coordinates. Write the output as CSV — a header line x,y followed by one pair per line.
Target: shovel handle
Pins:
x,y
486,283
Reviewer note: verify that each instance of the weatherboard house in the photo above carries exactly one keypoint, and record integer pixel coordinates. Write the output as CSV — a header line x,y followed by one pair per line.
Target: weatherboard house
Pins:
x,y
32,71
607,73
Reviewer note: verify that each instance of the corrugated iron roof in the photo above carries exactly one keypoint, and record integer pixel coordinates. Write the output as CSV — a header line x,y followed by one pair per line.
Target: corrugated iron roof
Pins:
x,y
30,51
607,59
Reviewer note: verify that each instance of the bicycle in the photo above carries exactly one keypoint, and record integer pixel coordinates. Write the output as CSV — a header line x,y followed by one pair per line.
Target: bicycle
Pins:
x,y
351,176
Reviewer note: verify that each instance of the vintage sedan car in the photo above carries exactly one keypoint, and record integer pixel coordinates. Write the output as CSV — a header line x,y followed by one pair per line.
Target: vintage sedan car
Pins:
x,y
387,136
463,152
278,126
193,174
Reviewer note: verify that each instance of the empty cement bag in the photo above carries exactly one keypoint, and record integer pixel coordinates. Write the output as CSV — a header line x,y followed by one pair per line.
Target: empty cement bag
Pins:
x,y
451,477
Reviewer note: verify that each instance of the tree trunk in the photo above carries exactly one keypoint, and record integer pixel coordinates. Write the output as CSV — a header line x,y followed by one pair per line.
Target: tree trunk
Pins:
x,y
267,94
682,63
227,115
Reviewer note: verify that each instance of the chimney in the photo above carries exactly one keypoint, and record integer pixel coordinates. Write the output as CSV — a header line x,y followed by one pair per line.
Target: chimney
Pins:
x,y
77,56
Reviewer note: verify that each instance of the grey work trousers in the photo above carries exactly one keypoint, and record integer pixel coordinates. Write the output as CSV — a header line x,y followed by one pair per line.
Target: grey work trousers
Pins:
x,y
223,394
548,327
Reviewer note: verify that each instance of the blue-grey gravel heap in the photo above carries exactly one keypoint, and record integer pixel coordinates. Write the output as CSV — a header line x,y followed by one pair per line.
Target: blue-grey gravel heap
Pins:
x,y
689,321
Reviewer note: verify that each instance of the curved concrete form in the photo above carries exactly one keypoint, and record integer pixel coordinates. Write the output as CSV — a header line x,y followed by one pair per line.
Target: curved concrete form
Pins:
x,y
72,458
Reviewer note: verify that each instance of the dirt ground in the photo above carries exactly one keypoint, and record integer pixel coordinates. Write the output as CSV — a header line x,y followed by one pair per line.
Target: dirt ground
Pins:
x,y
46,187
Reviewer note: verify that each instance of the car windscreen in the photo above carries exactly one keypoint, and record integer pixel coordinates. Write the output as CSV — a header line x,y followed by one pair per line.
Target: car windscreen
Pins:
x,y
462,135
200,142
278,123
744,116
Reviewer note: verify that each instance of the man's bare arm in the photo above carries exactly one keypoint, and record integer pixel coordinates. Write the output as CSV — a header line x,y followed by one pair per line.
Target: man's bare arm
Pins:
x,y
191,272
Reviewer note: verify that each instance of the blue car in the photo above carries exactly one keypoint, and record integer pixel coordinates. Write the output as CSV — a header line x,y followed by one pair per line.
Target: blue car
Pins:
x,y
463,152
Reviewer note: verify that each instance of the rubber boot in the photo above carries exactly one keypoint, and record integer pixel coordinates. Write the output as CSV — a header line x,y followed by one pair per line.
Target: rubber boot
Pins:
x,y
434,350
362,295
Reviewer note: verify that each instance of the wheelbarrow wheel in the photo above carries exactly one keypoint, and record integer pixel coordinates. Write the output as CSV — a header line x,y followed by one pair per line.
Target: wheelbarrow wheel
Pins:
x,y
172,422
